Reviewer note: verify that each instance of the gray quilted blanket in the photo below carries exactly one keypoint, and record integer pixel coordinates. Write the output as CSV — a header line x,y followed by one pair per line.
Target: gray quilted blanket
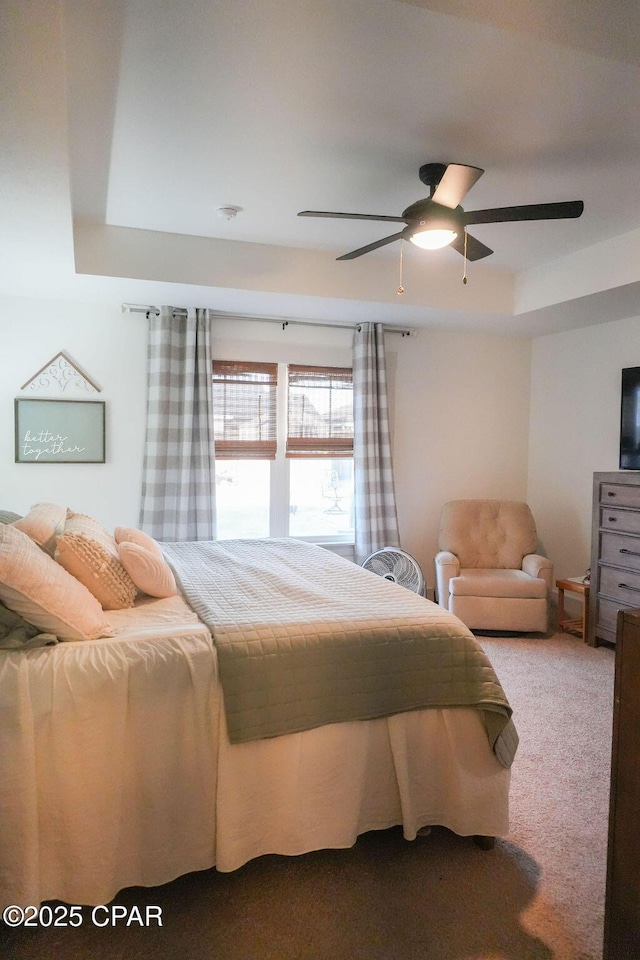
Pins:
x,y
305,638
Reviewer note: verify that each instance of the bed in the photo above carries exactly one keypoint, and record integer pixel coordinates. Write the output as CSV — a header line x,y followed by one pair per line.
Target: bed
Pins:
x,y
135,758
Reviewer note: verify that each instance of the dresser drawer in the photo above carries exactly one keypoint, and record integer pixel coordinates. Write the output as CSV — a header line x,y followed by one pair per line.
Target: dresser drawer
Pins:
x,y
623,585
620,494
626,521
607,617
621,550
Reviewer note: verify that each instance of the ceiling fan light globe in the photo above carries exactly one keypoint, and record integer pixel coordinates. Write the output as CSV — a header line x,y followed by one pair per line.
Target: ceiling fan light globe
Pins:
x,y
433,239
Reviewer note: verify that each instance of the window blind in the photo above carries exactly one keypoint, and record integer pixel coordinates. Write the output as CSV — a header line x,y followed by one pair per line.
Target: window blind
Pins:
x,y
244,410
320,412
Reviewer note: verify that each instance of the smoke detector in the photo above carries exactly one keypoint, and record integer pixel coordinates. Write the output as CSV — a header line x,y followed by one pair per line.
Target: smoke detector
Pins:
x,y
228,212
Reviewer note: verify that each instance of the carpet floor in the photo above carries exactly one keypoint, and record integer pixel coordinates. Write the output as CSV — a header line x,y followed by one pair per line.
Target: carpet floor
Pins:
x,y
538,895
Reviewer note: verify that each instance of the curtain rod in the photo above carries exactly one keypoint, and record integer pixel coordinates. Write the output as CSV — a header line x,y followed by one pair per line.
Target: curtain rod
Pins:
x,y
284,321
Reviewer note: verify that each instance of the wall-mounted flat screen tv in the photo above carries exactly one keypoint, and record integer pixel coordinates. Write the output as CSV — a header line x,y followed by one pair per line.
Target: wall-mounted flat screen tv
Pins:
x,y
630,419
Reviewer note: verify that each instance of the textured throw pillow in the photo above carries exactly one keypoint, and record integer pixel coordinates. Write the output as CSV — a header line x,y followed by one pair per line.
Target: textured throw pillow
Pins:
x,y
90,554
8,516
43,523
149,570
34,586
131,535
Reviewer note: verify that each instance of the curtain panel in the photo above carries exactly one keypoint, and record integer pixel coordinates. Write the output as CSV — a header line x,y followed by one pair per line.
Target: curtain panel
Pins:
x,y
376,523
178,483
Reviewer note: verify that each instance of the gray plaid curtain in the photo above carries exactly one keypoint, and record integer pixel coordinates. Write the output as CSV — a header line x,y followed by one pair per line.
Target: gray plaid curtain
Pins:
x,y
178,482
376,523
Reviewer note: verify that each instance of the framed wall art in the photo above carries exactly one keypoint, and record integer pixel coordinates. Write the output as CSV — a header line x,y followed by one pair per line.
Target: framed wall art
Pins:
x,y
59,431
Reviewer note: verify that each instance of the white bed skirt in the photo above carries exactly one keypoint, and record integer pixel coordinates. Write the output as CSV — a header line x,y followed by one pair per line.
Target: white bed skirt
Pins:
x,y
116,771
324,787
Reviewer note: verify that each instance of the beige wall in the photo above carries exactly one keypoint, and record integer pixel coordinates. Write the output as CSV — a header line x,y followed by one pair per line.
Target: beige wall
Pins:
x,y
469,416
459,408
459,413
575,430
111,348
461,426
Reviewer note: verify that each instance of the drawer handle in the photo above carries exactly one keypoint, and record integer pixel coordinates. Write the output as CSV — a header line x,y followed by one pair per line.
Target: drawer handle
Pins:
x,y
610,493
625,586
612,519
630,553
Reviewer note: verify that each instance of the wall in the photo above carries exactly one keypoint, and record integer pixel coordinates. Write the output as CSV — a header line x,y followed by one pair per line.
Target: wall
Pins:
x,y
459,409
460,415
575,430
234,339
111,349
461,426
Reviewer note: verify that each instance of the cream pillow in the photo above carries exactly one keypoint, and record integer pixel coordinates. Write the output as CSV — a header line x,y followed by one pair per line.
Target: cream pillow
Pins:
x,y
131,535
36,587
43,523
149,571
90,554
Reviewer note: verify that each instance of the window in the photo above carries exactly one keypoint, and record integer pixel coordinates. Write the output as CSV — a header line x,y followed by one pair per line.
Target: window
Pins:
x,y
244,410
284,450
320,450
320,412
245,437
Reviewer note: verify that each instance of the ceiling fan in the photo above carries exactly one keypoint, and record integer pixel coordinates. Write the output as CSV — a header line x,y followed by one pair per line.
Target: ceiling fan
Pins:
x,y
439,220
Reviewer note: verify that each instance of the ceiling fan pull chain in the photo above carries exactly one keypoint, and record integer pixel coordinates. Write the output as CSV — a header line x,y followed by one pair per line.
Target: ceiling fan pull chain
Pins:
x,y
400,289
464,272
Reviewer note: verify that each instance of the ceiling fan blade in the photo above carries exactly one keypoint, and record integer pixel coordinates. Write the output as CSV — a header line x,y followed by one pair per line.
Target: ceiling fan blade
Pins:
x,y
456,182
348,216
475,249
530,211
371,246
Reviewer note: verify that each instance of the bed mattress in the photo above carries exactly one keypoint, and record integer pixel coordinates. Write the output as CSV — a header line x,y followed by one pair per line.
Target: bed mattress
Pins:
x,y
117,768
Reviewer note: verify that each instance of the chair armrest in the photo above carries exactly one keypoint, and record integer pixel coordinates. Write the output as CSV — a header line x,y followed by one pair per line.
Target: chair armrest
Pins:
x,y
447,566
537,566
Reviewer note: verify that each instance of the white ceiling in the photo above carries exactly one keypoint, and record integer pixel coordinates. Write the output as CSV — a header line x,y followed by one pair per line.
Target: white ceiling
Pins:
x,y
176,108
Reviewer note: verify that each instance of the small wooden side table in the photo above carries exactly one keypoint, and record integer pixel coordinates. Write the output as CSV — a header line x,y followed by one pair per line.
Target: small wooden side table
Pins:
x,y
581,625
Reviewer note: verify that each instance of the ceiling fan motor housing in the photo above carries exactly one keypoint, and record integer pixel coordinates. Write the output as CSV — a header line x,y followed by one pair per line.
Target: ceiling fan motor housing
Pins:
x,y
435,215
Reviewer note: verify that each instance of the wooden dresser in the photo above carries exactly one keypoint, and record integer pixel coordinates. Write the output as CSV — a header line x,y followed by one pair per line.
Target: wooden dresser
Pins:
x,y
622,901
615,551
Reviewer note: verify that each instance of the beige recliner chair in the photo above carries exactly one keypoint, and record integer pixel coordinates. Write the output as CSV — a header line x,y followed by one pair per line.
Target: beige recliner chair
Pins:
x,y
487,572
